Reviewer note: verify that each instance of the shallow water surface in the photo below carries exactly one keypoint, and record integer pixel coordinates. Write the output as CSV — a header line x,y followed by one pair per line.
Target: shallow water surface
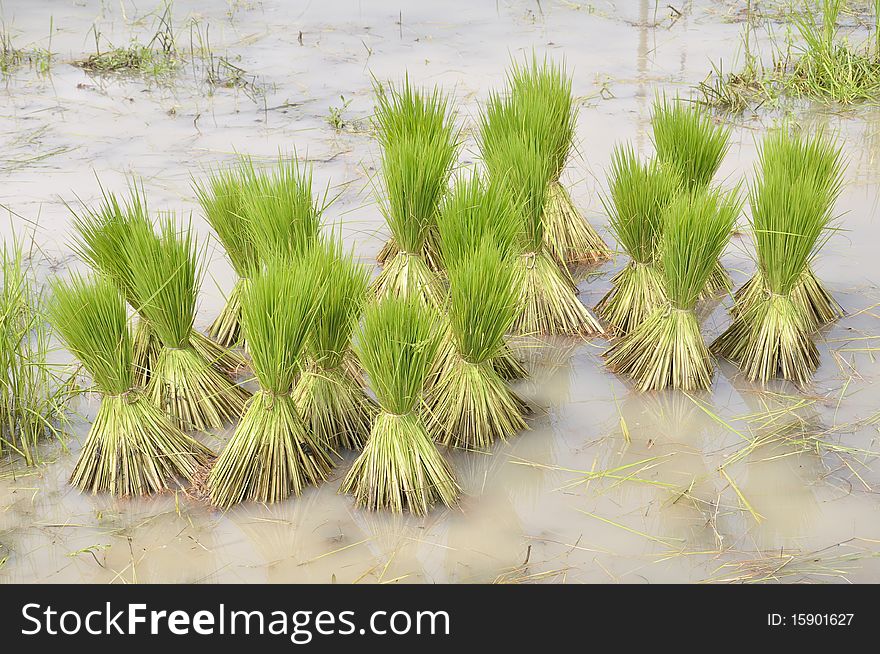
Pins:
x,y
741,483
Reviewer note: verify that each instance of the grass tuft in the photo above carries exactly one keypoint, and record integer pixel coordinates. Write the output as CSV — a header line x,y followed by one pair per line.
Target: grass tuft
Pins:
x,y
639,192
222,199
166,273
272,453
132,447
667,349
778,310
539,105
400,467
470,405
550,303
329,394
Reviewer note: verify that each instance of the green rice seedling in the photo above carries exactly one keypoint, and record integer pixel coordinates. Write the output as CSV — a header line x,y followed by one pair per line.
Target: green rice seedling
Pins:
x,y
400,466
817,160
132,448
222,198
166,273
273,453
284,217
687,139
33,393
639,192
667,349
773,321
541,102
329,393
104,237
550,303
402,111
470,406
415,171
475,210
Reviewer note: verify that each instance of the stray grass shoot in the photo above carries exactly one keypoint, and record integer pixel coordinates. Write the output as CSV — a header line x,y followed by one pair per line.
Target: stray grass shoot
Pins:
x,y
329,393
638,195
667,349
132,447
33,394
400,467
272,453
166,273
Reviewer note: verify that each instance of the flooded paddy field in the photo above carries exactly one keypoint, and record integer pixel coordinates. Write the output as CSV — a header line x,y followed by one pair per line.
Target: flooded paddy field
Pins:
x,y
743,483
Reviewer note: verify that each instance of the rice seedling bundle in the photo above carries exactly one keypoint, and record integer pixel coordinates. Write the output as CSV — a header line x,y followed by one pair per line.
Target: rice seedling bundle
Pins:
x,y
687,139
165,274
222,199
132,448
104,239
329,394
33,394
774,321
540,103
667,349
475,210
408,111
550,305
470,406
272,453
818,161
283,216
400,466
415,173
638,194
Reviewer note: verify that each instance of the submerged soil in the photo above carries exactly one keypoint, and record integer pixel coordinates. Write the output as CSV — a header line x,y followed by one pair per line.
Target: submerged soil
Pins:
x,y
742,483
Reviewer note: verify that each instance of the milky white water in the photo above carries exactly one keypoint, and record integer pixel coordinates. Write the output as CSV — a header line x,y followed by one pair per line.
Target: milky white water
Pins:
x,y
609,485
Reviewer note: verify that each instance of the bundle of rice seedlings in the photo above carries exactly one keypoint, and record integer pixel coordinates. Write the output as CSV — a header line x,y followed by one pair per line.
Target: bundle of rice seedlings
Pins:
x,y
420,145
283,216
132,447
541,102
638,194
667,349
104,239
400,466
221,197
550,305
475,210
818,161
773,323
33,392
329,394
687,139
272,452
470,406
407,111
165,275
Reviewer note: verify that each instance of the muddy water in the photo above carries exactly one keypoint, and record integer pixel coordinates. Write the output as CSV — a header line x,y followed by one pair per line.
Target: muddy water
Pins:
x,y
609,485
